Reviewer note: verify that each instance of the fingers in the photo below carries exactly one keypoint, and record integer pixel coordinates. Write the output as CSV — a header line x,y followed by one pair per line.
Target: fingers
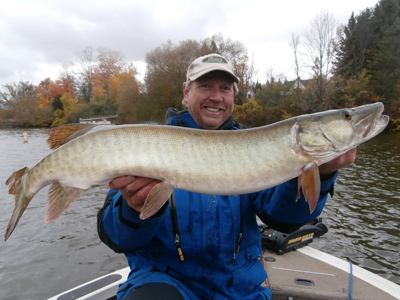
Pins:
x,y
121,182
134,189
340,162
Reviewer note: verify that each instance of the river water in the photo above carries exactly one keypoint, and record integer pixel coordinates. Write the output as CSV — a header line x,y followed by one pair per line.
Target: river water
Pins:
x,y
39,261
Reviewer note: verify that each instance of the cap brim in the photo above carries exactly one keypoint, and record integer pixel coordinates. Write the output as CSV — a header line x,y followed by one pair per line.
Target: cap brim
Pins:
x,y
211,69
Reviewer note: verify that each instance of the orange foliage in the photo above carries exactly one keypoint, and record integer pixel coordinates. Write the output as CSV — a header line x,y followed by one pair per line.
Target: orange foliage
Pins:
x,y
48,89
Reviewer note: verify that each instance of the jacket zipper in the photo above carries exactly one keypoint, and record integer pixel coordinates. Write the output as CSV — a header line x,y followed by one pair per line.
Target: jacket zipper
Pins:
x,y
175,227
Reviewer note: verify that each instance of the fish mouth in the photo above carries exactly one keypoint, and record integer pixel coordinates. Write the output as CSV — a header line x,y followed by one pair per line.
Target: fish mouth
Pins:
x,y
371,121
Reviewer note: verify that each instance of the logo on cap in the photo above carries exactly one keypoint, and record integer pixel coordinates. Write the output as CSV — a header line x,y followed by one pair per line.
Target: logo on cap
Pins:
x,y
215,60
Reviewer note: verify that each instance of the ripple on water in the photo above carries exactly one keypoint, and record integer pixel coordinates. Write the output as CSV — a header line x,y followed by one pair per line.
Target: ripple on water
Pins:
x,y
364,215
363,219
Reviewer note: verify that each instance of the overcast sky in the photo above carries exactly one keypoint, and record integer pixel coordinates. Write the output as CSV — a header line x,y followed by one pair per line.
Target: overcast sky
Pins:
x,y
38,36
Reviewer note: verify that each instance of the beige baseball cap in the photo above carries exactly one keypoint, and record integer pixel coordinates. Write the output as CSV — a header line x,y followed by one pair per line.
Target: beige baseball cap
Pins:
x,y
208,63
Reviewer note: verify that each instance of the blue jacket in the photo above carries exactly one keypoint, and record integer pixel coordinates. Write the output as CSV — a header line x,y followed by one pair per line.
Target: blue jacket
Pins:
x,y
218,236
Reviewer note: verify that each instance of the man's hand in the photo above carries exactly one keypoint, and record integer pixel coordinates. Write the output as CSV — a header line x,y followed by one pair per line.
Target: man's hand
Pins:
x,y
133,189
338,163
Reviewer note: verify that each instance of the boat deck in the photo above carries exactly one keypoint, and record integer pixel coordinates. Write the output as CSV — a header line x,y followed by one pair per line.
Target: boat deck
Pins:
x,y
308,273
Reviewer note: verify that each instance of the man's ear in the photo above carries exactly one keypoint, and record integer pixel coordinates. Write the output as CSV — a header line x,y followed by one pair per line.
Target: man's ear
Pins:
x,y
185,94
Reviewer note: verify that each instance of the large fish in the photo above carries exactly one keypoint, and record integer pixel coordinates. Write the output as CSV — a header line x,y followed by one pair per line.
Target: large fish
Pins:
x,y
203,161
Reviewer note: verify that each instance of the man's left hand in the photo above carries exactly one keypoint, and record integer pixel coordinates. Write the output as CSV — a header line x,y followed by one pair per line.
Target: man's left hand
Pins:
x,y
338,163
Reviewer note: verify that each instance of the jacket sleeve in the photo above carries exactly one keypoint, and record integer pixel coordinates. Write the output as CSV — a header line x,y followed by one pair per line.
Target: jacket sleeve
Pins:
x,y
120,227
278,208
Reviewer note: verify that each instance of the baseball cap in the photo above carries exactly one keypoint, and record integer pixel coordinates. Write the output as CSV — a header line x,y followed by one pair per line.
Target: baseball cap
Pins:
x,y
208,63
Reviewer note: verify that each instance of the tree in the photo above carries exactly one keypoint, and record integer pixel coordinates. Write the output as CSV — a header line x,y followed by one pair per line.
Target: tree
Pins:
x,y
236,53
47,90
356,45
294,44
385,14
296,97
67,80
370,42
20,102
166,72
86,70
110,64
320,43
167,65
385,68
14,93
128,98
66,114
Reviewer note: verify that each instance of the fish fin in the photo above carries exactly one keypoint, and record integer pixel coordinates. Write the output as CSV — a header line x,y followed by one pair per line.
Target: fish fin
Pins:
x,y
311,184
157,197
63,134
16,184
14,181
60,198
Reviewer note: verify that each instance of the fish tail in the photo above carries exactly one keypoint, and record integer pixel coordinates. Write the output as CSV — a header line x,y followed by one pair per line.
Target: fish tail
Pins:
x,y
16,185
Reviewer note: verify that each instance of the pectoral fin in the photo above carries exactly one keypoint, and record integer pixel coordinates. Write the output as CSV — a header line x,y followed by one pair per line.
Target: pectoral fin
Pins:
x,y
311,184
60,198
157,197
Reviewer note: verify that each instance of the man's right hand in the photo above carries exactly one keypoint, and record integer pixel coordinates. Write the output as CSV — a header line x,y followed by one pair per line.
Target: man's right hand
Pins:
x,y
133,189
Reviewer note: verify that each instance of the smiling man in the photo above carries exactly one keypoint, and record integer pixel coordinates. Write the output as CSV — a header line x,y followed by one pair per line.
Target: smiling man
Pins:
x,y
209,91
202,246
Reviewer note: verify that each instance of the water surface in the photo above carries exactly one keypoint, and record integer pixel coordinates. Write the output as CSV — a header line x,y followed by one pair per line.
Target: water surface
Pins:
x,y
40,261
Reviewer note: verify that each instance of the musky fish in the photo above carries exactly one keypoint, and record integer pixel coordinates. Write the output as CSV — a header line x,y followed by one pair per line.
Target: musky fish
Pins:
x,y
203,161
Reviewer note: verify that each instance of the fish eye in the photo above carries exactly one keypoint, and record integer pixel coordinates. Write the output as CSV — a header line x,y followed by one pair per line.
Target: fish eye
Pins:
x,y
347,114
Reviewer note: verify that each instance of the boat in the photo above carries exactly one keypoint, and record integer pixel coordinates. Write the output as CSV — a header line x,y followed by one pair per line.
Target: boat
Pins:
x,y
296,271
305,273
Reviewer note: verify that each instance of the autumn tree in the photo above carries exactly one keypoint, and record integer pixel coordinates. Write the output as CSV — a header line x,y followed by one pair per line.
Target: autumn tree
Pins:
x,y
109,64
354,91
166,72
48,89
167,65
236,53
67,113
131,108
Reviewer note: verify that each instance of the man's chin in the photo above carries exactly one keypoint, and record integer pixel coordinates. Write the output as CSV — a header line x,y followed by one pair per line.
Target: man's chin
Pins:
x,y
212,123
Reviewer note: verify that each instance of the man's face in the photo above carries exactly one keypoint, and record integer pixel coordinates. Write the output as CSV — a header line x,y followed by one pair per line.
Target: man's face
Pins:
x,y
210,99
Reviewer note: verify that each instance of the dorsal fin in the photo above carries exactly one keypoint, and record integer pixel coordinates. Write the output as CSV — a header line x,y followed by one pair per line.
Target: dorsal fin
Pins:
x,y
63,134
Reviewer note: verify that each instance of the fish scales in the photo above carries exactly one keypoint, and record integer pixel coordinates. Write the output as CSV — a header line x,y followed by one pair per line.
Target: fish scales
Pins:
x,y
203,161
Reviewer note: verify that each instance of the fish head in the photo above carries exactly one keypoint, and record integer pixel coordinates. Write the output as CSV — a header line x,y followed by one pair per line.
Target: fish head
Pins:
x,y
327,135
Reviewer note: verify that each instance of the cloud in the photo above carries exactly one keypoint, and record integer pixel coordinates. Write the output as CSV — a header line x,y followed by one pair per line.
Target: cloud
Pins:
x,y
37,37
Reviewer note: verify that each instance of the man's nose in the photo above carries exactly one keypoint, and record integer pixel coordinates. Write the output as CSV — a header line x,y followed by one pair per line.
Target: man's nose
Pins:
x,y
216,94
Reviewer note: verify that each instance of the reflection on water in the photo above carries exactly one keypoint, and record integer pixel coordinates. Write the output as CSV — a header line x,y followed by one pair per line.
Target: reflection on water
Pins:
x,y
40,261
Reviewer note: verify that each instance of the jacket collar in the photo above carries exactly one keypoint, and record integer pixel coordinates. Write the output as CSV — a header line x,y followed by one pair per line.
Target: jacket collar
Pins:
x,y
184,119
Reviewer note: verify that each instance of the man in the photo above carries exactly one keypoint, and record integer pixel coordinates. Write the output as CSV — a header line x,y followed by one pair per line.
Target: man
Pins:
x,y
202,246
